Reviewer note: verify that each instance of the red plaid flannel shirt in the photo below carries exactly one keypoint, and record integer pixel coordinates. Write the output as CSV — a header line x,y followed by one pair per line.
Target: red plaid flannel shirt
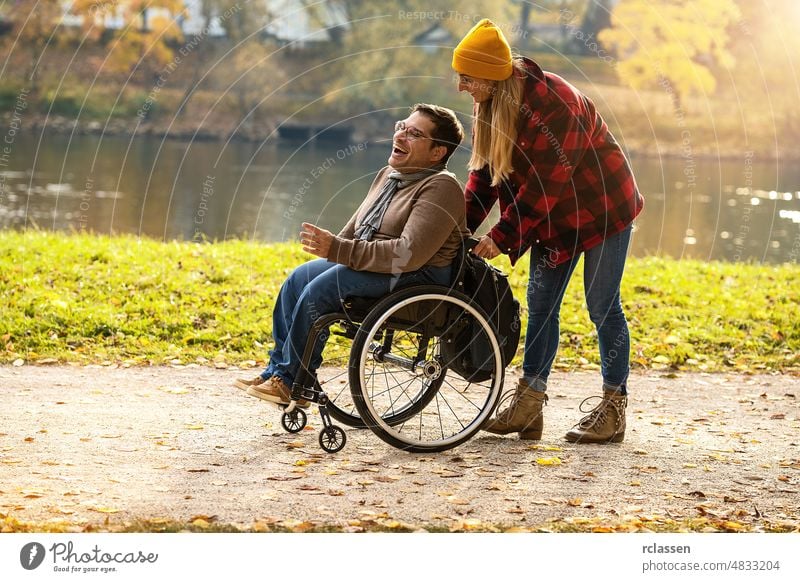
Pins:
x,y
571,187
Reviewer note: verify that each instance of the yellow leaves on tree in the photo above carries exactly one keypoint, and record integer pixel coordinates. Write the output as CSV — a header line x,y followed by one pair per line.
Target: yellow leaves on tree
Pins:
x,y
34,26
671,43
144,30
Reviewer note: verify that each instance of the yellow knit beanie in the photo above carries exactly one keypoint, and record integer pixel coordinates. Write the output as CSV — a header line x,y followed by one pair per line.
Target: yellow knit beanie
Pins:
x,y
484,53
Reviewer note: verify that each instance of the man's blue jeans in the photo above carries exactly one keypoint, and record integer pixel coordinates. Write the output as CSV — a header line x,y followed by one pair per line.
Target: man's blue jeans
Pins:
x,y
316,288
603,268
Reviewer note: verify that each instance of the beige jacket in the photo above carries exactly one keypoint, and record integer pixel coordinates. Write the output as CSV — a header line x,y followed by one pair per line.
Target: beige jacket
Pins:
x,y
423,225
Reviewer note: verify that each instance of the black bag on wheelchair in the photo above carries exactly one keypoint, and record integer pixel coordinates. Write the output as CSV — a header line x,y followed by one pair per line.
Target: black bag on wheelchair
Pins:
x,y
469,354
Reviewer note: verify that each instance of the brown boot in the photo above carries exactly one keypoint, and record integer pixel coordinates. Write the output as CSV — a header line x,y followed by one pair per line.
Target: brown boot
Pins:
x,y
605,423
524,414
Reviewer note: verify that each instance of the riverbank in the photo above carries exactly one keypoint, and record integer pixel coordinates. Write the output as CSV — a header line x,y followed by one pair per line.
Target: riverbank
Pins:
x,y
130,301
666,144
202,100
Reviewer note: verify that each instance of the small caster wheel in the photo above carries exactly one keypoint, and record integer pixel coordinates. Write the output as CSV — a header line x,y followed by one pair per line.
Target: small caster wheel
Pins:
x,y
294,421
332,439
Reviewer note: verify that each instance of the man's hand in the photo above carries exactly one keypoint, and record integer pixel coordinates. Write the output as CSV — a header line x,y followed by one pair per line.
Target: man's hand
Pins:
x,y
486,248
316,240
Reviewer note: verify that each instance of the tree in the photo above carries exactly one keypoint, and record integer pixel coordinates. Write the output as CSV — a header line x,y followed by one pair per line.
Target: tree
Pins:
x,y
33,30
202,51
250,69
596,18
147,35
672,43
388,59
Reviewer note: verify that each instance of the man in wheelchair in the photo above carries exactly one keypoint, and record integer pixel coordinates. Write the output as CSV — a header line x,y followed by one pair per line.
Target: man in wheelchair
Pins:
x,y
407,231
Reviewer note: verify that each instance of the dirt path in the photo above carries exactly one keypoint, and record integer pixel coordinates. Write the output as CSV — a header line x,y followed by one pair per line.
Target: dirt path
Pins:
x,y
86,445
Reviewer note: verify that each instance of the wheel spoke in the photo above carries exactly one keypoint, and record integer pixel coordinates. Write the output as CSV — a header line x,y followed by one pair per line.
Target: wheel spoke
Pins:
x,y
431,407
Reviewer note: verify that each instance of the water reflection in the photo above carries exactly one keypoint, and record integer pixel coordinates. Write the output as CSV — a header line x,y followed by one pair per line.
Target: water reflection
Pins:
x,y
730,210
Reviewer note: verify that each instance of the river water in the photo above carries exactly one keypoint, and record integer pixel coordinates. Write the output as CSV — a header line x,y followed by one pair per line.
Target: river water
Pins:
x,y
742,209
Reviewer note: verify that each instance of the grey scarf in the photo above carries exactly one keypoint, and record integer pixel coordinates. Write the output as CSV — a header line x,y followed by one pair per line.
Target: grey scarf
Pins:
x,y
394,181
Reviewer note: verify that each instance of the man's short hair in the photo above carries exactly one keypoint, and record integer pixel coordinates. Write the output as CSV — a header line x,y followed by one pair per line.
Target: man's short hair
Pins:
x,y
448,130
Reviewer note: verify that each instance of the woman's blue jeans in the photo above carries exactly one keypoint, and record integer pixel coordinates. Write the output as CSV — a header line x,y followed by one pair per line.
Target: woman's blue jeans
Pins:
x,y
316,288
603,268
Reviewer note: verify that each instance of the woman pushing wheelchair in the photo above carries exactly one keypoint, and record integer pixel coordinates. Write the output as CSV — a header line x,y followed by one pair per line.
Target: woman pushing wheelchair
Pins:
x,y
565,189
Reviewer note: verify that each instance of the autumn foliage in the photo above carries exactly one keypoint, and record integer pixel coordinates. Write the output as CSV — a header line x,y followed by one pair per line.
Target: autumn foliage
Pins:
x,y
149,26
676,42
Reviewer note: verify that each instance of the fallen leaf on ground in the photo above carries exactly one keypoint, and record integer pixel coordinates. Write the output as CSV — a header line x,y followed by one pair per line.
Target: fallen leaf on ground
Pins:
x,y
105,509
32,493
548,461
466,525
297,526
387,478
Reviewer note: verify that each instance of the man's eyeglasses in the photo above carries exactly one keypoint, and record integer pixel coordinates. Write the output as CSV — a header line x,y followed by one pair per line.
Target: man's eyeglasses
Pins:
x,y
411,132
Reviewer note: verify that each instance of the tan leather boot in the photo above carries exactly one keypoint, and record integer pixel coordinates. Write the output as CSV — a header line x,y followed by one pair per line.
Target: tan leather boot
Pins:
x,y
523,415
605,423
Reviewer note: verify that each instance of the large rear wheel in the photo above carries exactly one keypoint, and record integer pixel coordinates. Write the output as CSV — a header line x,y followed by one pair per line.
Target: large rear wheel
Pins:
x,y
401,371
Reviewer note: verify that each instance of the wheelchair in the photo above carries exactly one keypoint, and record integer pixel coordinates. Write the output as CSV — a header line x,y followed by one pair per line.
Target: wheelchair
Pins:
x,y
399,379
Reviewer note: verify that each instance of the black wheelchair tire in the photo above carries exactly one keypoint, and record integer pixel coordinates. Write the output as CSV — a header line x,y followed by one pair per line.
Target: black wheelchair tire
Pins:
x,y
364,336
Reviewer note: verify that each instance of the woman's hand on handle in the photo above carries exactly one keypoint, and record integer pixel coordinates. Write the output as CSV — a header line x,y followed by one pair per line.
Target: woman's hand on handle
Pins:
x,y
486,248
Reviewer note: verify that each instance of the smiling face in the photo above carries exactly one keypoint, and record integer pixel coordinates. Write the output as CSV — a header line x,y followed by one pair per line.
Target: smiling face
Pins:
x,y
480,89
413,148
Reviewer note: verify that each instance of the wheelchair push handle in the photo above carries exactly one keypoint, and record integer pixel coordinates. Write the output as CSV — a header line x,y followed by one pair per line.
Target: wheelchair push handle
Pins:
x,y
470,243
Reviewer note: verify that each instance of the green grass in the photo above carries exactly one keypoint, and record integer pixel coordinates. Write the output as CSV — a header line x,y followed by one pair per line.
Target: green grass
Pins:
x,y
96,299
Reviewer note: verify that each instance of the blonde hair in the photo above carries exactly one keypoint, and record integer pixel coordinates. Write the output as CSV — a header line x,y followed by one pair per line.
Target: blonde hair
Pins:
x,y
495,126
